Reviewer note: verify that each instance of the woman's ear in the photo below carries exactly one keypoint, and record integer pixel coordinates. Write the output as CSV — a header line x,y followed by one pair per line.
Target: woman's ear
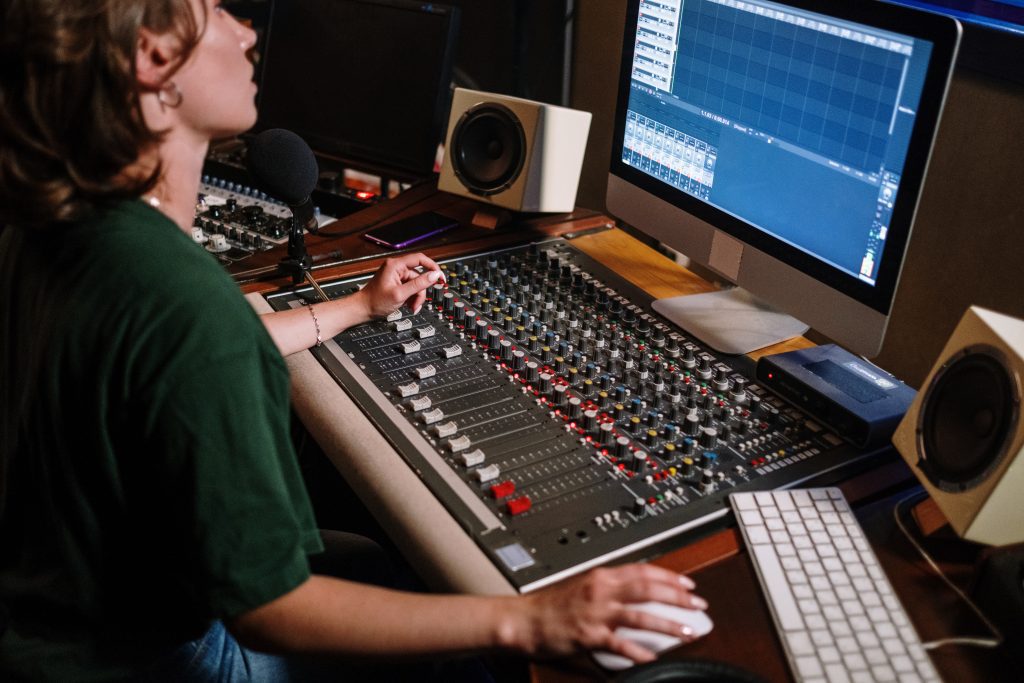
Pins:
x,y
154,58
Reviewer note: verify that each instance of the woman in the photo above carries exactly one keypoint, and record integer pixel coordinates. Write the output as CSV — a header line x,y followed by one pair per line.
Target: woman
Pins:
x,y
150,496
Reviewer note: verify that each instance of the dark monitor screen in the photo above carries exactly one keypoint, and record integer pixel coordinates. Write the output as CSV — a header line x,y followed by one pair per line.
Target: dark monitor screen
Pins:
x,y
993,33
1006,15
798,128
364,81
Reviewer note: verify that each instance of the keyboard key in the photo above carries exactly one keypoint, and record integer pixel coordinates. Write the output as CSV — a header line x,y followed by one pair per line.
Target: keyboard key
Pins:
x,y
894,647
874,655
815,622
808,606
783,501
821,638
819,494
907,634
885,630
796,576
808,666
853,607
840,629
757,534
847,645
751,517
743,501
855,660
902,664
836,673
801,498
829,655
782,599
800,643
814,525
883,673
803,591
867,639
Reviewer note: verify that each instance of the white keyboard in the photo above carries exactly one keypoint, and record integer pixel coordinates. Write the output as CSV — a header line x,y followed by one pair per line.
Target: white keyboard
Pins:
x,y
834,608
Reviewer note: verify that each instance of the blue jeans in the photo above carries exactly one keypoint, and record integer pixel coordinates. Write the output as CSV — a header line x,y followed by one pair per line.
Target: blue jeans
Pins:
x,y
217,657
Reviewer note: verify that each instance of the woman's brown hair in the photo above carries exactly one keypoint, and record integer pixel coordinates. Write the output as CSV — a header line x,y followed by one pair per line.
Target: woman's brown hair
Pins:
x,y
70,120
70,123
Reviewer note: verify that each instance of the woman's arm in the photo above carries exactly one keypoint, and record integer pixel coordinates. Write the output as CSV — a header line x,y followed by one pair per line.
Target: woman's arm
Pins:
x,y
330,616
397,282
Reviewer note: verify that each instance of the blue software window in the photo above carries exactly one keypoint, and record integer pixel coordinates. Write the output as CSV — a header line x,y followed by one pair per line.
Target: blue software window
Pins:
x,y
794,122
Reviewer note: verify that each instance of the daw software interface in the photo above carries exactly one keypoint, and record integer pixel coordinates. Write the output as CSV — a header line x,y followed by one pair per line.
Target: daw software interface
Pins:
x,y
794,122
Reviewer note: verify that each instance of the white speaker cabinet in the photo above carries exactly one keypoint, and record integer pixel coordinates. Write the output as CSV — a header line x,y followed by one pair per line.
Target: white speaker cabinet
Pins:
x,y
513,153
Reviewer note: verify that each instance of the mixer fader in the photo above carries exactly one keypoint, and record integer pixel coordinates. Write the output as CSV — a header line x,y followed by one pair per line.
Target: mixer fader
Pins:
x,y
561,422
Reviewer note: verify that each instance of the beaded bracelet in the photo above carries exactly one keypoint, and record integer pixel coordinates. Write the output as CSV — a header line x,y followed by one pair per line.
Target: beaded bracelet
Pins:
x,y
316,324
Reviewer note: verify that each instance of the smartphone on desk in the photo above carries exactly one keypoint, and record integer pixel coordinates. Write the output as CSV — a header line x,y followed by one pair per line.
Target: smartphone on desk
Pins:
x,y
407,231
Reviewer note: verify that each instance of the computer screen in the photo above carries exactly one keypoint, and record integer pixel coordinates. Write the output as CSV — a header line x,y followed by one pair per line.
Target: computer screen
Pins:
x,y
783,145
365,81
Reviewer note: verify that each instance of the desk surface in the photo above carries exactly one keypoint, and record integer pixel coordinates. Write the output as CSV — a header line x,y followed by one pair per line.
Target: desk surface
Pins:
x,y
744,633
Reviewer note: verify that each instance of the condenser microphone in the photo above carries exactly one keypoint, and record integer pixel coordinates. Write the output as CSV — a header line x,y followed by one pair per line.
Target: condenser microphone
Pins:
x,y
283,166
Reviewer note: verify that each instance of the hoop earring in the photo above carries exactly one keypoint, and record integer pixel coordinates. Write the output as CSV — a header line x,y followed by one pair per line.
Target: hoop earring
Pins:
x,y
170,96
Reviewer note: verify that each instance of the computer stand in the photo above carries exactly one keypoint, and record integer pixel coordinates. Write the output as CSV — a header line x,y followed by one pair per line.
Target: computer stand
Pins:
x,y
730,320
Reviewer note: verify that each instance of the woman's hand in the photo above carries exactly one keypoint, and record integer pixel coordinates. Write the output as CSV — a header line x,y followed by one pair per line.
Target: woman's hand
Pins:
x,y
398,283
583,613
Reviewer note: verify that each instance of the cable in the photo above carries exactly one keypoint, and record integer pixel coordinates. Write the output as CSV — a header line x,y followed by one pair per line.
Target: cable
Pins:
x,y
942,642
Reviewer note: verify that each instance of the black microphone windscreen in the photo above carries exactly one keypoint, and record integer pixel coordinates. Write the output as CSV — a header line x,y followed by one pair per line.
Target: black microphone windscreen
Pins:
x,y
283,165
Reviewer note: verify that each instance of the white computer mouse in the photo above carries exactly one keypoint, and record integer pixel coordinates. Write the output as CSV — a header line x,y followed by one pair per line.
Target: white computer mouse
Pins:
x,y
652,640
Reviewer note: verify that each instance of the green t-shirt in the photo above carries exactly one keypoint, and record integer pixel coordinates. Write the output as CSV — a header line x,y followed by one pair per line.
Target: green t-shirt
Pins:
x,y
154,487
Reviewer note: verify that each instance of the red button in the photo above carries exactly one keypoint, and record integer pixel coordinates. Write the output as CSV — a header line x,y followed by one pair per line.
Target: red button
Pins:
x,y
517,506
503,490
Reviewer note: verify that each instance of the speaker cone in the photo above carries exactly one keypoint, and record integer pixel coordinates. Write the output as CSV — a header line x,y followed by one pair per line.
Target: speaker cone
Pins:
x,y
488,148
970,410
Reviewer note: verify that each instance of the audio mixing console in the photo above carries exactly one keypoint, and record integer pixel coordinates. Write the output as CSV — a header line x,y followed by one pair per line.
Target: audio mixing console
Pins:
x,y
558,420
235,221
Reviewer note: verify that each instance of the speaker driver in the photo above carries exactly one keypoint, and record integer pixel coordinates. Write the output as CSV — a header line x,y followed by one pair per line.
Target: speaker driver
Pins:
x,y
488,148
970,410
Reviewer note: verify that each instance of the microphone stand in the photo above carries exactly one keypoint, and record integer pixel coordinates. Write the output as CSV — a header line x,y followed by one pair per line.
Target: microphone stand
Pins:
x,y
297,263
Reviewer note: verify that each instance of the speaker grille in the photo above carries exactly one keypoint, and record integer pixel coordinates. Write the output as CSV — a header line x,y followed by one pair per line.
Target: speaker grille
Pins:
x,y
488,148
970,412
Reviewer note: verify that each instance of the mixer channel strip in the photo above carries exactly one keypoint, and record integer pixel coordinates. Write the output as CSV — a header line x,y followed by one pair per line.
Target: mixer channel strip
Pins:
x,y
558,420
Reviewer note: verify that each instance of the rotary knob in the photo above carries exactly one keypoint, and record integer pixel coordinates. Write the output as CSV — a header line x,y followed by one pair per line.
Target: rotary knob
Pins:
x,y
709,437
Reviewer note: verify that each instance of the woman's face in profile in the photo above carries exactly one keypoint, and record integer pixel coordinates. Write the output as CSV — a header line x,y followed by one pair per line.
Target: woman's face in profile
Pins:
x,y
218,93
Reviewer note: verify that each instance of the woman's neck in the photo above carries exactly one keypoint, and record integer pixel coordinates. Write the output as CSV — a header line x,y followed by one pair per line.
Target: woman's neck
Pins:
x,y
176,190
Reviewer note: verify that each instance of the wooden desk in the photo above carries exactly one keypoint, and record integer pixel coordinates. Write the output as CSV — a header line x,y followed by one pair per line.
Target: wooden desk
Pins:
x,y
744,634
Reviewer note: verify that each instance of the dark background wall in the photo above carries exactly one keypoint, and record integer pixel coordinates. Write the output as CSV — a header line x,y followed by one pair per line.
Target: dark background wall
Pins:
x,y
968,240
514,47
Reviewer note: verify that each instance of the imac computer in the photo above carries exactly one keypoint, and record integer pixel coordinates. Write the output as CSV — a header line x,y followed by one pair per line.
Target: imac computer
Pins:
x,y
367,82
783,146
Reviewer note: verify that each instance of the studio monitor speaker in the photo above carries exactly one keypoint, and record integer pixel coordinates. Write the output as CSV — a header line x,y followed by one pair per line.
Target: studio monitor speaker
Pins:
x,y
963,434
514,153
